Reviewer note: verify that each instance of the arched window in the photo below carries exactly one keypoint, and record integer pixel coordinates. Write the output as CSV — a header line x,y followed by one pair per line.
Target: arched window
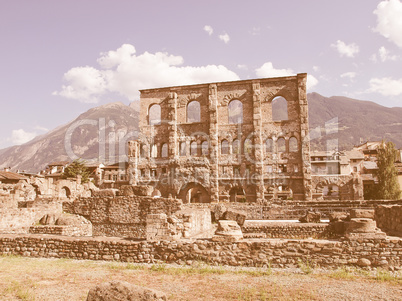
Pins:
x,y
193,149
248,146
235,111
193,111
224,147
236,147
164,150
182,148
293,145
281,143
279,109
154,151
204,148
154,114
269,145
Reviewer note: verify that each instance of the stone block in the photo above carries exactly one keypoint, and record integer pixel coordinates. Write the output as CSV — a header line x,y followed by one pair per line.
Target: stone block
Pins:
x,y
218,211
229,228
338,216
361,225
121,290
49,219
235,215
362,213
311,217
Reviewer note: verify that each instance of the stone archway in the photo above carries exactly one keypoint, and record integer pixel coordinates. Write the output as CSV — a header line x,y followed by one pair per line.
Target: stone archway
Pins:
x,y
65,192
194,193
237,194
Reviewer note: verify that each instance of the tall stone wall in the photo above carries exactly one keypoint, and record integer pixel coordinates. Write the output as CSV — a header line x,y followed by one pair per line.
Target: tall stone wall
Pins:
x,y
258,253
123,216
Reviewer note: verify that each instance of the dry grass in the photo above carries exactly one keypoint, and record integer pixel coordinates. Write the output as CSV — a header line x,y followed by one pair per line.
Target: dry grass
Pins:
x,y
62,279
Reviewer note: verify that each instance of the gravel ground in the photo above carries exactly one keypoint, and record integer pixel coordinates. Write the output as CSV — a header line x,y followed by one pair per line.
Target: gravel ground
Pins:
x,y
62,279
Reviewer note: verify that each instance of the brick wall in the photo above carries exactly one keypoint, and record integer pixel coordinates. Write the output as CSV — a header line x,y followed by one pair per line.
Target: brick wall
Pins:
x,y
260,252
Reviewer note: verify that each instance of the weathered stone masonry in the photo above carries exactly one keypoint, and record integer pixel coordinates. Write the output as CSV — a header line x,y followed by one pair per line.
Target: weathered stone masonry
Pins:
x,y
210,154
122,216
257,253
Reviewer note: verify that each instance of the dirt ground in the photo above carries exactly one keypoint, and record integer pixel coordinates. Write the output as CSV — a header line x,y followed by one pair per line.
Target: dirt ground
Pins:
x,y
63,279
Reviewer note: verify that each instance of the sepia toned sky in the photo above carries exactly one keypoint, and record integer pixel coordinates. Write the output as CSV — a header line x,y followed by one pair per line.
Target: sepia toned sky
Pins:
x,y
60,58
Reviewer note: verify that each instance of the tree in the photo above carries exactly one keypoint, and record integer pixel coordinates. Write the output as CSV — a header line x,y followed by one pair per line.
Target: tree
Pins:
x,y
77,167
387,175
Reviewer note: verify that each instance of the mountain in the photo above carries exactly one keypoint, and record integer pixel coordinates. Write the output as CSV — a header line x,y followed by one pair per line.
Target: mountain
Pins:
x,y
357,121
333,121
113,124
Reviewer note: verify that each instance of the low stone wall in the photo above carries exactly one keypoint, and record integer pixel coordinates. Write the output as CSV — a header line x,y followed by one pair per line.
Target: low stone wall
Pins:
x,y
82,230
258,253
293,209
389,219
123,216
288,230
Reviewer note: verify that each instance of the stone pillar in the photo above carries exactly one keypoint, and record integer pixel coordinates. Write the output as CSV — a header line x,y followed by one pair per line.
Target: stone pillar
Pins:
x,y
213,142
304,135
258,143
133,158
172,125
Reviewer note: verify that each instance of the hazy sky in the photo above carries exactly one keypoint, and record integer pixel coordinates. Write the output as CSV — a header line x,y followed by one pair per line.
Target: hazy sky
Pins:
x,y
60,58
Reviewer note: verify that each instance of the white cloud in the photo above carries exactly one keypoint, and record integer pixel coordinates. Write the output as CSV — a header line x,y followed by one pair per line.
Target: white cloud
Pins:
x,y
20,136
385,55
350,75
209,29
225,38
316,68
386,86
268,70
242,66
124,72
389,20
85,84
41,128
348,50
311,82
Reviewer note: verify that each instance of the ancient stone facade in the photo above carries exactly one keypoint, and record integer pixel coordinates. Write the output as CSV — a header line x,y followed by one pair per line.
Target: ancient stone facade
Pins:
x,y
231,141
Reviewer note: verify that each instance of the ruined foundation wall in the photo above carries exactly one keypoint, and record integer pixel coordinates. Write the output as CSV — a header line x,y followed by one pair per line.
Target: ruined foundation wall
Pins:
x,y
123,216
288,230
258,253
389,219
18,220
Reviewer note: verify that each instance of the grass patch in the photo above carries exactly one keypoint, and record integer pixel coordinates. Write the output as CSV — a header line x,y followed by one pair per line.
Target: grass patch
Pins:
x,y
306,266
19,290
343,273
386,276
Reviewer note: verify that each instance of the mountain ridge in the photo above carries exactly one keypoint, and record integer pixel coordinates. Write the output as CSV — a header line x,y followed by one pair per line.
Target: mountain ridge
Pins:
x,y
337,119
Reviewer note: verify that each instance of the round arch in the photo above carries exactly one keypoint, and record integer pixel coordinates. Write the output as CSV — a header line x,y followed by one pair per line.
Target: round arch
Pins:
x,y
194,193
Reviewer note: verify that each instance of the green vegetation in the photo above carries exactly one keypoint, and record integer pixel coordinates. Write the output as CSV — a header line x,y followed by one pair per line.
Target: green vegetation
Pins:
x,y
388,186
306,266
77,167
